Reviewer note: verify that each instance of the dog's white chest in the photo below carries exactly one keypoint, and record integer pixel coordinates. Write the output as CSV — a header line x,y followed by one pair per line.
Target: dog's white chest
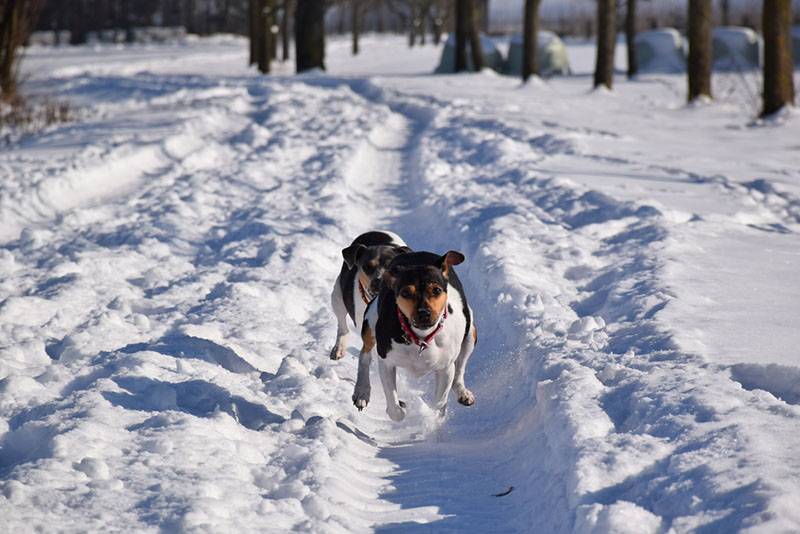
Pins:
x,y
359,307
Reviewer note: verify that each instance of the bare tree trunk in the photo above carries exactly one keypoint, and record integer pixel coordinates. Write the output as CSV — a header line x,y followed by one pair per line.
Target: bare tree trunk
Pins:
x,y
381,16
412,31
272,29
776,22
422,28
530,37
630,38
699,49
77,33
271,21
475,36
17,20
606,40
462,29
9,29
264,43
287,14
436,23
437,31
252,29
725,8
309,35
355,8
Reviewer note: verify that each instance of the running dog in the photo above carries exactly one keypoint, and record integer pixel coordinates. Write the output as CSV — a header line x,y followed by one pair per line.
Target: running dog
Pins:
x,y
359,280
420,322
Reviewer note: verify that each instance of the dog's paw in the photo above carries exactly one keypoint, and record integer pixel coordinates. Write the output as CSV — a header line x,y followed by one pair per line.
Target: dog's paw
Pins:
x,y
361,397
397,413
337,352
466,398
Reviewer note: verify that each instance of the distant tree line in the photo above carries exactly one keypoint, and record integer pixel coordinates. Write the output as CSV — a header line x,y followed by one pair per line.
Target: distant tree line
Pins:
x,y
269,22
80,17
778,68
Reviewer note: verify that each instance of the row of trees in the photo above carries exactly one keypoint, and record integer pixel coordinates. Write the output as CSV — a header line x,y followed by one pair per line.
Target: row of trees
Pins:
x,y
776,23
271,21
778,67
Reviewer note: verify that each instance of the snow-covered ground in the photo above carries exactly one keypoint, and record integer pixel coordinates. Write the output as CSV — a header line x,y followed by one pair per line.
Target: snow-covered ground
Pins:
x,y
633,264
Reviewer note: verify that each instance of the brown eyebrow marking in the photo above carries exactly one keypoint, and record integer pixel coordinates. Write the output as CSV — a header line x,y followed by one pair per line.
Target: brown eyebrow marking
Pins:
x,y
411,289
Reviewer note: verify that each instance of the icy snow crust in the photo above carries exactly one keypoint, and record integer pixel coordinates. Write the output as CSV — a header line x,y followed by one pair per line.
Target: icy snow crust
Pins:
x,y
164,322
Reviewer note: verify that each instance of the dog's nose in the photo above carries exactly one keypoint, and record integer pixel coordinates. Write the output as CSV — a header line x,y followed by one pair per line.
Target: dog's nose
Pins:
x,y
424,315
375,285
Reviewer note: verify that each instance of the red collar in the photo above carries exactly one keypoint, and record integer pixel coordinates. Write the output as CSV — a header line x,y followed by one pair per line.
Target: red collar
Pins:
x,y
364,294
411,337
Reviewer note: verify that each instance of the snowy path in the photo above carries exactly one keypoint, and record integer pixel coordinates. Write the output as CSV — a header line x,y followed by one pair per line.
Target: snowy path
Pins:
x,y
164,321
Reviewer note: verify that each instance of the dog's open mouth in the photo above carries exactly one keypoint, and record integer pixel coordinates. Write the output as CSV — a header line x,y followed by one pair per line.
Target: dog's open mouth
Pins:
x,y
422,326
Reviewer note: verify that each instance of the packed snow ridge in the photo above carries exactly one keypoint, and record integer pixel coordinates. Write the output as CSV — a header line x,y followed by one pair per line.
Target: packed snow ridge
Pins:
x,y
633,264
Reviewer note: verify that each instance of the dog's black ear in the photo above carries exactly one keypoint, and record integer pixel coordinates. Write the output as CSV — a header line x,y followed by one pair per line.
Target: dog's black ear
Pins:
x,y
352,253
448,259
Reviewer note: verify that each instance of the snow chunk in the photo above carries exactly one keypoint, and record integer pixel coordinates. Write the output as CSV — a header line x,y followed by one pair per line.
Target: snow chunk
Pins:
x,y
622,517
94,468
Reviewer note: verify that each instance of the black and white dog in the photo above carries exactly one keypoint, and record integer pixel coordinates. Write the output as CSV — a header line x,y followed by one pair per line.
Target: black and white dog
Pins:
x,y
420,322
359,280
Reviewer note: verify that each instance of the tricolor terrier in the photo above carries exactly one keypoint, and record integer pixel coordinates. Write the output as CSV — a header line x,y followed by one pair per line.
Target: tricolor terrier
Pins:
x,y
421,322
359,280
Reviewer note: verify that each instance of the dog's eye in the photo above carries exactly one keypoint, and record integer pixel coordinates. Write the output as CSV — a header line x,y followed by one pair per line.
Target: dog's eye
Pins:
x,y
436,291
405,293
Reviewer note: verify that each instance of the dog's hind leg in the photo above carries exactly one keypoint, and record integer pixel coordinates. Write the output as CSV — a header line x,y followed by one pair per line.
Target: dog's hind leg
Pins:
x,y
465,396
340,311
394,407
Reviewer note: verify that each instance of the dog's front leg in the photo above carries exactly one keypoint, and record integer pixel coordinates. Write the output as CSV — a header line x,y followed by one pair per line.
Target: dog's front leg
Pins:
x,y
340,311
395,408
362,389
444,381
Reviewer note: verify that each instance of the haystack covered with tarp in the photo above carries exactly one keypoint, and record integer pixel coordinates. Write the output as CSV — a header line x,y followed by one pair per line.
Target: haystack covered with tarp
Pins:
x,y
491,55
551,52
736,48
660,50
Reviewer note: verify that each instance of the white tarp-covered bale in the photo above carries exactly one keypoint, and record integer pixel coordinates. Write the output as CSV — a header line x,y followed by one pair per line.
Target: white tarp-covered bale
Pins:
x,y
660,50
49,38
736,48
551,52
796,44
491,55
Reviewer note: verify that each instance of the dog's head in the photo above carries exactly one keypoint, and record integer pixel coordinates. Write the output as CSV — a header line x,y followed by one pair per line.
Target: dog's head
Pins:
x,y
371,263
419,282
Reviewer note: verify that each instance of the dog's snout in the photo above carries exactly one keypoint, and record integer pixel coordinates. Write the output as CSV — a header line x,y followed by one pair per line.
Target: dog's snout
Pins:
x,y
424,314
